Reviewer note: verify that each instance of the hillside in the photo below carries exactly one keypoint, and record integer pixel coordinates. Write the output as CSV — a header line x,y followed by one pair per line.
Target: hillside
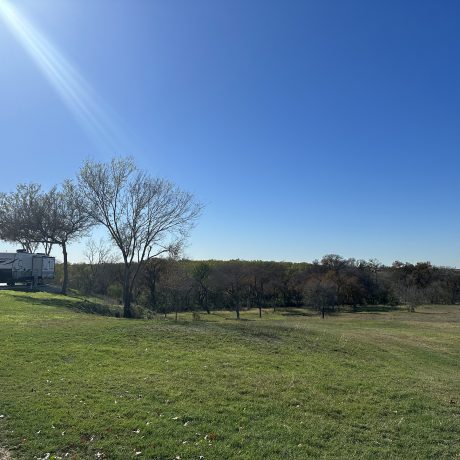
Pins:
x,y
289,385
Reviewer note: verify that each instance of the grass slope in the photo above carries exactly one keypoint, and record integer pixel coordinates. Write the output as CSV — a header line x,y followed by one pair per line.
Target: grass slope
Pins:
x,y
365,385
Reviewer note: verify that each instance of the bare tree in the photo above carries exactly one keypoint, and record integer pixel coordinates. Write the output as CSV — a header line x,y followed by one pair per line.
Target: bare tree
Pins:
x,y
145,217
233,277
97,254
321,292
17,219
61,219
177,287
153,271
200,275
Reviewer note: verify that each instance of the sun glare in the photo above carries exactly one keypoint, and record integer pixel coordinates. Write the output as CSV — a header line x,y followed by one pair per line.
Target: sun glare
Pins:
x,y
74,91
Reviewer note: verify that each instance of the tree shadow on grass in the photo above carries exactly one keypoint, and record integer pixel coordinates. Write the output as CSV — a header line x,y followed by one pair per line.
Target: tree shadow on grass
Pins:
x,y
21,288
229,318
297,312
309,311
76,304
372,309
50,288
240,320
249,330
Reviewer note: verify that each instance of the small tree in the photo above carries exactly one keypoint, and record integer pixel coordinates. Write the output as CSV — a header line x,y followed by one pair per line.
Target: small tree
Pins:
x,y
97,255
200,275
145,217
412,297
177,286
153,271
321,293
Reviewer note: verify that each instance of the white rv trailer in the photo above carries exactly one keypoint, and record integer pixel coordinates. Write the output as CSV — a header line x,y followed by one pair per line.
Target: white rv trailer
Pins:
x,y
24,267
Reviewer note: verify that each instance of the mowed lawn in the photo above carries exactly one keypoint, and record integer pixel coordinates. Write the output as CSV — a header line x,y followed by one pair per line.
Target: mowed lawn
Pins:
x,y
287,386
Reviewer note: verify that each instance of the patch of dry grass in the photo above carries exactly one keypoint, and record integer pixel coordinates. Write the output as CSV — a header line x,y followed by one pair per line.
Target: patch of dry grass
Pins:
x,y
5,454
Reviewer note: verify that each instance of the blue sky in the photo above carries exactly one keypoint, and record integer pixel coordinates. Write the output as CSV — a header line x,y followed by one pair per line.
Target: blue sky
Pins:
x,y
306,127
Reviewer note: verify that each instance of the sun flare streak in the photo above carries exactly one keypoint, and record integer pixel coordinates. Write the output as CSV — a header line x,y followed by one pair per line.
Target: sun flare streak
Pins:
x,y
74,91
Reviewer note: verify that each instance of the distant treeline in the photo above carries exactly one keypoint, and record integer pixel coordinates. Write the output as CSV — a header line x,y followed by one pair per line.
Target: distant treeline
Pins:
x,y
333,283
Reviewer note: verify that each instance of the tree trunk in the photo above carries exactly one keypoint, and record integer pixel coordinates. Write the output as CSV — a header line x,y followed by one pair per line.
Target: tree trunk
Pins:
x,y
260,312
322,312
206,304
153,296
127,313
238,312
65,281
176,316
48,247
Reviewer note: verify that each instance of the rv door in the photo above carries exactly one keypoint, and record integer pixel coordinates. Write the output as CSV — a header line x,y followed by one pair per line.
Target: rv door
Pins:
x,y
48,268
37,266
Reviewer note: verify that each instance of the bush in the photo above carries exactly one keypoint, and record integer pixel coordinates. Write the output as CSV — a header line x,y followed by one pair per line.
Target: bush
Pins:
x,y
115,291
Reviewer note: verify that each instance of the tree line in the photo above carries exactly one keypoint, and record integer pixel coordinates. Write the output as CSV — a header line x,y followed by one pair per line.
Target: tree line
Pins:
x,y
147,221
168,285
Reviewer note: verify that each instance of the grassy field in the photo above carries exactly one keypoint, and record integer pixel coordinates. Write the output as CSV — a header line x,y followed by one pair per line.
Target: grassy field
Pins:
x,y
287,386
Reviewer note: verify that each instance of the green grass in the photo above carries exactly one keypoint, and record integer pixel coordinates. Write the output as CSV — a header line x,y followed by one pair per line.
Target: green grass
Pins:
x,y
363,385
